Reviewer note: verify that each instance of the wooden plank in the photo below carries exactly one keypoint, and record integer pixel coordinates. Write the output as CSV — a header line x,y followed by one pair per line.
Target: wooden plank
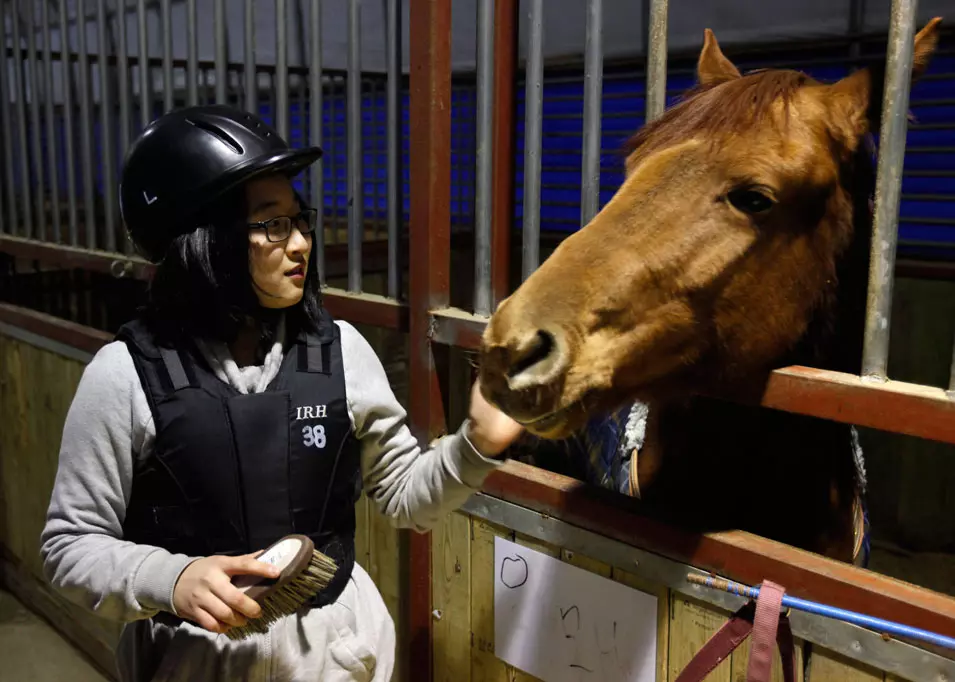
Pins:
x,y
485,666
692,623
11,412
663,616
37,389
736,555
826,666
62,256
366,308
456,327
740,660
68,333
451,598
895,406
386,555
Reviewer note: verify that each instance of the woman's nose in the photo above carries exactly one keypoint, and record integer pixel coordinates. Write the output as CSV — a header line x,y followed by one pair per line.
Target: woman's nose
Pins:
x,y
298,242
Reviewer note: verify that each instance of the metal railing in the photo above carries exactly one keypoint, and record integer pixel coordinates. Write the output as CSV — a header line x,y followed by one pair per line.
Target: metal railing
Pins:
x,y
892,147
68,116
49,157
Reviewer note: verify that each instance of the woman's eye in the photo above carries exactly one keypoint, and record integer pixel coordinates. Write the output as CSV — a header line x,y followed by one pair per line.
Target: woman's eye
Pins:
x,y
750,201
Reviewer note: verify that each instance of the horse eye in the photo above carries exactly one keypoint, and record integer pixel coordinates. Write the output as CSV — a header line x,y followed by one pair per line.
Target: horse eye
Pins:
x,y
750,201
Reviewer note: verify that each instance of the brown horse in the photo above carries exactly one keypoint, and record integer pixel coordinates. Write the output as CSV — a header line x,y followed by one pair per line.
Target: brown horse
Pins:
x,y
738,243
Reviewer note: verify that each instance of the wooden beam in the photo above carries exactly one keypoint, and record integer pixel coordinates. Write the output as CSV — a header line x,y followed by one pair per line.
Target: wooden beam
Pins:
x,y
896,406
69,257
371,309
374,258
458,328
737,555
68,333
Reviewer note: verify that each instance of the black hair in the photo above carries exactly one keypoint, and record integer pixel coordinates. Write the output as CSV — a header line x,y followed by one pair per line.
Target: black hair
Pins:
x,y
203,285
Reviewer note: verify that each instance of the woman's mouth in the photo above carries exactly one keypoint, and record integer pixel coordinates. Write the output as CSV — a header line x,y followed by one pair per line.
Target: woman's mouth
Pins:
x,y
297,272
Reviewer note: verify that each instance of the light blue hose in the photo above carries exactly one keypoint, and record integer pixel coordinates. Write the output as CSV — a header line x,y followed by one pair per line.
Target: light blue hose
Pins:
x,y
861,619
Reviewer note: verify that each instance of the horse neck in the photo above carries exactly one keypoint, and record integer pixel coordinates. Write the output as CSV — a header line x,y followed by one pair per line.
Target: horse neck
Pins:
x,y
834,338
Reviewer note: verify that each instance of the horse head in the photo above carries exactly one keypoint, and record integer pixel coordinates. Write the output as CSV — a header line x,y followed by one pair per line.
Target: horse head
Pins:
x,y
713,258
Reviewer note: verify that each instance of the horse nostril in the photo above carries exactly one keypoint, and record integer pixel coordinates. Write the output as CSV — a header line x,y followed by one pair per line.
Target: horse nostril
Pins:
x,y
537,349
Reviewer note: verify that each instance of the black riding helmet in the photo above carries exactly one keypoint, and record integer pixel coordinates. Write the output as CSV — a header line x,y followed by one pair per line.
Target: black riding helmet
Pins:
x,y
188,158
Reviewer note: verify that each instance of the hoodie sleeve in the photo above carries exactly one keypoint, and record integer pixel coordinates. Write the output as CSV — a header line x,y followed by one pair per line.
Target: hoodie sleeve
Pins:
x,y
412,486
84,554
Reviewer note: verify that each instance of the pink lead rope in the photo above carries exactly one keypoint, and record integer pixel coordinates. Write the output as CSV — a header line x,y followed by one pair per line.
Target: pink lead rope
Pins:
x,y
769,628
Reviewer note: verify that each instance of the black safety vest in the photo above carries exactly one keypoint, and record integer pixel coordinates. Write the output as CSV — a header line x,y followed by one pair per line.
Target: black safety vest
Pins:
x,y
232,473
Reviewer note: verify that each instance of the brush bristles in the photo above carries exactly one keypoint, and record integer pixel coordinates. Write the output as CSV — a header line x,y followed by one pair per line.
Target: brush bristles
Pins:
x,y
290,597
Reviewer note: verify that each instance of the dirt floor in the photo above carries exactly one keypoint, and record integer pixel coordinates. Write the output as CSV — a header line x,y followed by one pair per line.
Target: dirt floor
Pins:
x,y
32,650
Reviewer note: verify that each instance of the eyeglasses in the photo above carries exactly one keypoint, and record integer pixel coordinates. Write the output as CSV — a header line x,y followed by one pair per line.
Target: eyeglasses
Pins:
x,y
279,229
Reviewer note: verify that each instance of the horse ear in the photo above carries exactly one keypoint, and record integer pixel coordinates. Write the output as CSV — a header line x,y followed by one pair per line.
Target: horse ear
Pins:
x,y
855,101
926,41
713,66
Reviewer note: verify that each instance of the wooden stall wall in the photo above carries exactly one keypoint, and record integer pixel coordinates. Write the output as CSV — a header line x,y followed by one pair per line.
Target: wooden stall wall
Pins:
x,y
36,388
463,599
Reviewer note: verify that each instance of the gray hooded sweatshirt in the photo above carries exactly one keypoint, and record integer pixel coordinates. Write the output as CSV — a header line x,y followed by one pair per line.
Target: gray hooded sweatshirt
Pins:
x,y
109,433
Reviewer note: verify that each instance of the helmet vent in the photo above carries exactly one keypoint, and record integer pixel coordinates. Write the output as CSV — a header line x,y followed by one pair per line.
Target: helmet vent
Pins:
x,y
218,133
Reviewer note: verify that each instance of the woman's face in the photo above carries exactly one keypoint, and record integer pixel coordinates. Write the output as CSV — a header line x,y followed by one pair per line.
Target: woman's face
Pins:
x,y
278,267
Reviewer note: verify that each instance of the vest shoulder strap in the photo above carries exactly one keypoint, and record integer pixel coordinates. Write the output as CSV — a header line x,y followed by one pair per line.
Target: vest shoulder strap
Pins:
x,y
160,368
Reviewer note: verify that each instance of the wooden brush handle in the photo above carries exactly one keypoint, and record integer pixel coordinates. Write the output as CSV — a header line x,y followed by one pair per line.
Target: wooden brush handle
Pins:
x,y
291,554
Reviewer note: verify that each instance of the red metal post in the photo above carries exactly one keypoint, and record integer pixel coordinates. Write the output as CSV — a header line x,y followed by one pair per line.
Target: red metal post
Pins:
x,y
506,23
429,283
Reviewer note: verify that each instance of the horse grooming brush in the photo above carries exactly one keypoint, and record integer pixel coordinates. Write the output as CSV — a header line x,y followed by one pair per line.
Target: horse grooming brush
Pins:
x,y
305,572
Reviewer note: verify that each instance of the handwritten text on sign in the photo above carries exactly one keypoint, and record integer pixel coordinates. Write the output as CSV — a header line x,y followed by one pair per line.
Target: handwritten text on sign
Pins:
x,y
563,624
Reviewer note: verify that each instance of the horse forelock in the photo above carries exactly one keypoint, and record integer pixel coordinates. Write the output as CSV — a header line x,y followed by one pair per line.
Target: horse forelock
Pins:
x,y
721,109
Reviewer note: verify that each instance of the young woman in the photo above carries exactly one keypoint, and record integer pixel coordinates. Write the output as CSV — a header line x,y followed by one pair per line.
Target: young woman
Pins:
x,y
232,412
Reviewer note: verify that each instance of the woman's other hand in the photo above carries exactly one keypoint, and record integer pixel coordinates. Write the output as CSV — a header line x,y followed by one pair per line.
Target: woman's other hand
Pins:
x,y
205,594
491,431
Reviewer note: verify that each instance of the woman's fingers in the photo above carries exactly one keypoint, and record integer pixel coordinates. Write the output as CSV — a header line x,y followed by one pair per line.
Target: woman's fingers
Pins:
x,y
221,611
249,565
236,600
206,621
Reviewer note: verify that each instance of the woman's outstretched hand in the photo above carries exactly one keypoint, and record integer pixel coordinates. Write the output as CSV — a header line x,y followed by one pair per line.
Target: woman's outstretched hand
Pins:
x,y
205,594
491,431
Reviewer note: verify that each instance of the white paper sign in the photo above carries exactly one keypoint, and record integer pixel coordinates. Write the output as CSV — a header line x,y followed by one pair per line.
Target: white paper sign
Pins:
x,y
563,624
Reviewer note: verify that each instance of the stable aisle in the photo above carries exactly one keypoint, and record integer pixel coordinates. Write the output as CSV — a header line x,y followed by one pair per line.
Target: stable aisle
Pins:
x,y
32,651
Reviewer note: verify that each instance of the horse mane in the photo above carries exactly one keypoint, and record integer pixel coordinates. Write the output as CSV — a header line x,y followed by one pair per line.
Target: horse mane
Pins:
x,y
719,109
